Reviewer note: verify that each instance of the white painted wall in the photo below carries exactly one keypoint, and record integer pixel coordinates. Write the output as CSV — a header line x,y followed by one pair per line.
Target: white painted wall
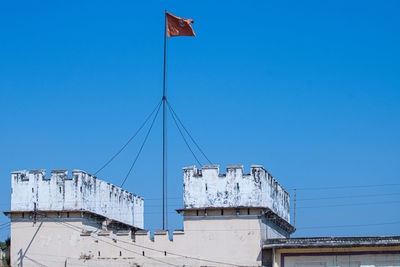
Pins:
x,y
206,187
216,241
211,241
82,191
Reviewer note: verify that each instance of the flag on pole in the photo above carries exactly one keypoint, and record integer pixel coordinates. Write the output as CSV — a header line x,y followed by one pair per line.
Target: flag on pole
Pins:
x,y
177,26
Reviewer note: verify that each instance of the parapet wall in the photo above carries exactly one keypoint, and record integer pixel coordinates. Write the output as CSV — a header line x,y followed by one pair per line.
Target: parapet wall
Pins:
x,y
206,187
32,190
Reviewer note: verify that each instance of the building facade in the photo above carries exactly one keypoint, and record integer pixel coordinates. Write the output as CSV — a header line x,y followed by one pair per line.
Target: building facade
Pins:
x,y
81,220
378,251
229,219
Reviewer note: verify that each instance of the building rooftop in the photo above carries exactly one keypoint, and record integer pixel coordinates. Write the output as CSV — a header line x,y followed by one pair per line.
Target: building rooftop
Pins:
x,y
311,242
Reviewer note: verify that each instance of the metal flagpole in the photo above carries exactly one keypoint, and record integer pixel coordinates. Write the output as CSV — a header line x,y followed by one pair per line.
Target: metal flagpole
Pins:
x,y
294,212
163,102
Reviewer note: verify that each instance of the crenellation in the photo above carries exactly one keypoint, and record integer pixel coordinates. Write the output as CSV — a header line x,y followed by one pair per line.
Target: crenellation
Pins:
x,y
61,173
38,171
17,172
209,188
210,171
236,208
19,175
83,191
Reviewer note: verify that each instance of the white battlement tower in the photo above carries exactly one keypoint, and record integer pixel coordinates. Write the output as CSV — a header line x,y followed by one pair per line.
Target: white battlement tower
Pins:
x,y
207,188
32,191
235,201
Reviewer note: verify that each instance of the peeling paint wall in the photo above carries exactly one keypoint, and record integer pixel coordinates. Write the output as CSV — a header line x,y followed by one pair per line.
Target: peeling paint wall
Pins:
x,y
82,191
206,187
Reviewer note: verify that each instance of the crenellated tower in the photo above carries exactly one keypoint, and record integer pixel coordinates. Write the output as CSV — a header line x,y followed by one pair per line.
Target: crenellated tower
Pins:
x,y
235,200
208,188
32,191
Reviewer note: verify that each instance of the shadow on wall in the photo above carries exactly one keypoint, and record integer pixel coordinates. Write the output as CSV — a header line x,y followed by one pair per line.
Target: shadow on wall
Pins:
x,y
22,254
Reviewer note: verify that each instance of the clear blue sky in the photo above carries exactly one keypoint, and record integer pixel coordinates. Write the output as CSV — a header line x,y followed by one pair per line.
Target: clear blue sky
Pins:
x,y
310,90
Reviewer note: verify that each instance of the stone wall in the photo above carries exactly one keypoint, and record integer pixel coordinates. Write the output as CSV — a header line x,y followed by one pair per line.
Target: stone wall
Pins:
x,y
206,187
33,190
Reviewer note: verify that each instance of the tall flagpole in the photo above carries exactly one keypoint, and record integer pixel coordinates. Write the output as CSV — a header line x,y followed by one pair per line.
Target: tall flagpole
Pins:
x,y
163,102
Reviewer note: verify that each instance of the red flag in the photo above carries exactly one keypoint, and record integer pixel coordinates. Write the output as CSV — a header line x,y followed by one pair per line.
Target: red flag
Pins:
x,y
177,26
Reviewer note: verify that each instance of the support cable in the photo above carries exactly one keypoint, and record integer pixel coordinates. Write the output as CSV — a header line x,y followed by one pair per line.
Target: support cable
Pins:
x,y
353,196
141,148
130,139
342,187
183,137
347,205
180,122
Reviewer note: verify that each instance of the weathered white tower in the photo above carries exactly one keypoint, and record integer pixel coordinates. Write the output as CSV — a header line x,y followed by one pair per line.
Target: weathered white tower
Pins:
x,y
33,192
209,189
236,209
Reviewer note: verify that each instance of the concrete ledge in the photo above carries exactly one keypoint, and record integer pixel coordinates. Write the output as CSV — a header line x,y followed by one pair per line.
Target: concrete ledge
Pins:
x,y
210,167
332,242
161,232
234,167
103,233
88,233
178,232
123,233
142,232
189,167
37,171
